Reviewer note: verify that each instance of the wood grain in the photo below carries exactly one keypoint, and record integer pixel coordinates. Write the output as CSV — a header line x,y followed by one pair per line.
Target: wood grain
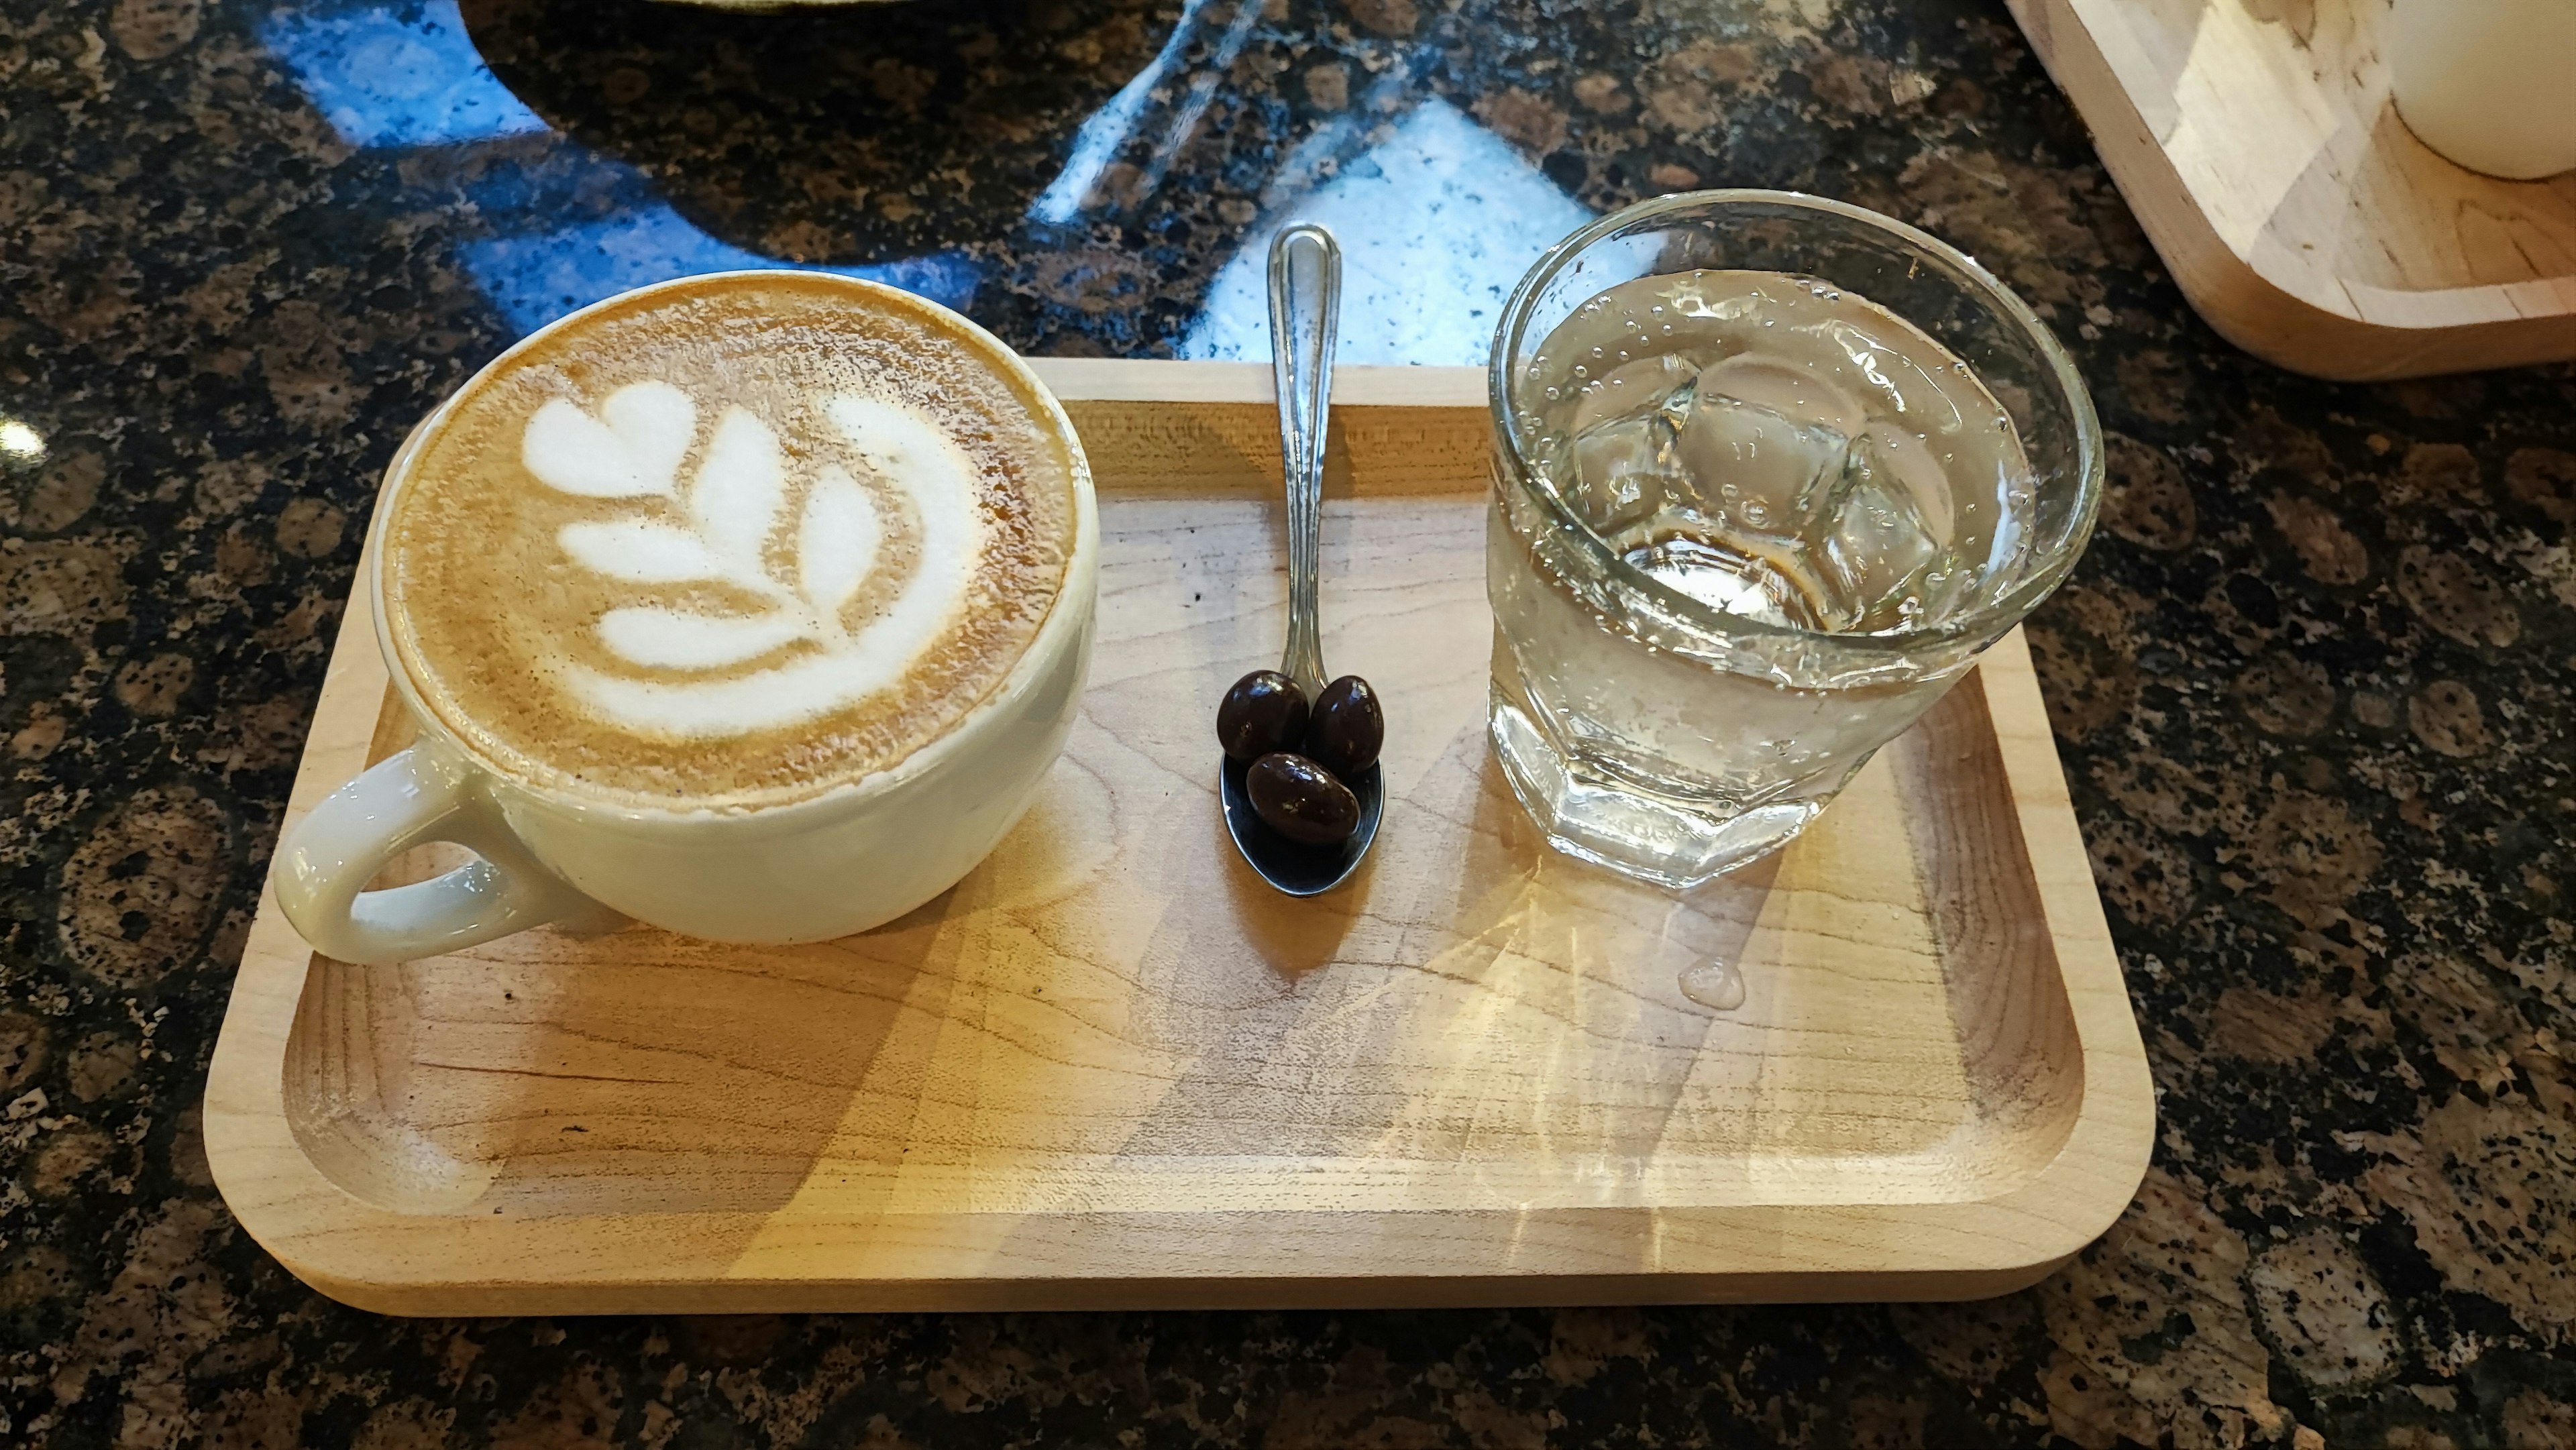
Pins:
x,y
2256,143
1112,1069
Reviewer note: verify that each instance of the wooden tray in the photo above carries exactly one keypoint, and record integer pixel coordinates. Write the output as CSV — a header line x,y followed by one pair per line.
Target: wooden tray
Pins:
x,y
2256,142
1111,1069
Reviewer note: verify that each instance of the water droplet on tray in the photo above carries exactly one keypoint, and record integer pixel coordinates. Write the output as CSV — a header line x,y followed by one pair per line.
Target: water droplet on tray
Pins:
x,y
1714,984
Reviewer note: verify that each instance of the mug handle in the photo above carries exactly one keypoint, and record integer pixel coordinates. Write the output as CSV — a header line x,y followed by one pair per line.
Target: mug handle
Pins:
x,y
421,794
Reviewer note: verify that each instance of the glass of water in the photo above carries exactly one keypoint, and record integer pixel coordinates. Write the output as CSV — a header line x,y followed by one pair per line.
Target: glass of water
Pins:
x,y
1769,472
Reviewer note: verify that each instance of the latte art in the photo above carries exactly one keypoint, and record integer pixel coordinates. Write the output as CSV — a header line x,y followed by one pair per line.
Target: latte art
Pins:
x,y
728,528
744,552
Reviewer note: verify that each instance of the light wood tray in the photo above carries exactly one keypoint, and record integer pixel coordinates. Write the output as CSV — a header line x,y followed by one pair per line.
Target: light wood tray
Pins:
x,y
2256,142
1111,1069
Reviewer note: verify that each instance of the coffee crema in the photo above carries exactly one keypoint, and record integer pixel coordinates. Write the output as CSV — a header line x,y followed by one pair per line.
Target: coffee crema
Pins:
x,y
729,544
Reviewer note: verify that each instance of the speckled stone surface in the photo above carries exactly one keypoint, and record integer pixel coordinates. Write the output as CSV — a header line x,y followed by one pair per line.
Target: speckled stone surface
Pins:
x,y
2312,685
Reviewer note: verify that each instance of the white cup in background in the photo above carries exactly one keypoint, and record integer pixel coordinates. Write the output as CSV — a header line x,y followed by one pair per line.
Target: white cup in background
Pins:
x,y
2491,84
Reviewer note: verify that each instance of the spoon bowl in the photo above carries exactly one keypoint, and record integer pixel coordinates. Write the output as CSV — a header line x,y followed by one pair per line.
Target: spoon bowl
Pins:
x,y
1293,867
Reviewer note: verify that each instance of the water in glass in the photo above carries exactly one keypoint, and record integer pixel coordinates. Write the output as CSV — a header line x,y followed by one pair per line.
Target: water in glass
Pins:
x,y
1789,454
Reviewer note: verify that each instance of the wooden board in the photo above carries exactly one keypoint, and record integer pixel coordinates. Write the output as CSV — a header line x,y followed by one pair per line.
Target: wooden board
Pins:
x,y
2256,142
1112,1069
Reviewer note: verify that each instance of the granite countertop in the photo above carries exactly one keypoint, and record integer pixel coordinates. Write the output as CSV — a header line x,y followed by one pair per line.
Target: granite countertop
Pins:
x,y
2312,684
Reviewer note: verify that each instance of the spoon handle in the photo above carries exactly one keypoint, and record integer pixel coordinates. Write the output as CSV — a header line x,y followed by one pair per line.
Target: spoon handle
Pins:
x,y
1305,320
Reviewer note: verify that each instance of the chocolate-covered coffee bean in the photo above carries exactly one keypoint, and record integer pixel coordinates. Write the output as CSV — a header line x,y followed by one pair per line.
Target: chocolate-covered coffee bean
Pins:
x,y
1301,800
1265,711
1345,727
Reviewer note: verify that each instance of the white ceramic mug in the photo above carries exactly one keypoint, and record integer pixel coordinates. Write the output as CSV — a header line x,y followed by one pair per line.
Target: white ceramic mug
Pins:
x,y
2491,84
853,858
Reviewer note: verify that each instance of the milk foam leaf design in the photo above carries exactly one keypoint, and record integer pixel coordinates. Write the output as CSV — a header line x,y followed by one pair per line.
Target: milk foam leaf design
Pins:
x,y
639,551
674,639
720,533
781,587
836,544
656,422
634,454
739,491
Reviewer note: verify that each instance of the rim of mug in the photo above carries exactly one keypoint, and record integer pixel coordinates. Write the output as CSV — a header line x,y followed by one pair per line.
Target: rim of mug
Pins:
x,y
1706,618
1033,660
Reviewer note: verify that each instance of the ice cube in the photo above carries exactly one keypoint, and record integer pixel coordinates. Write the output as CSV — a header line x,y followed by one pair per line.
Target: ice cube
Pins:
x,y
1903,464
1757,457
1789,385
1876,544
1624,470
1646,385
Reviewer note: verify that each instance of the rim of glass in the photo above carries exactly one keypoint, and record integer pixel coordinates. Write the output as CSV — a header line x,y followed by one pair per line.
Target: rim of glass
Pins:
x,y
2061,369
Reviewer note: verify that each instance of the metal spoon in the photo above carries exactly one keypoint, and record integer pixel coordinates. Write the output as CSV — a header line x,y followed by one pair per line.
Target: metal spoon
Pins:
x,y
1305,317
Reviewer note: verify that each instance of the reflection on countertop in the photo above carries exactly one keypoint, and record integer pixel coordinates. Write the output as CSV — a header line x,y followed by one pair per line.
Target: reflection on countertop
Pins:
x,y
1438,212
2312,686
1439,215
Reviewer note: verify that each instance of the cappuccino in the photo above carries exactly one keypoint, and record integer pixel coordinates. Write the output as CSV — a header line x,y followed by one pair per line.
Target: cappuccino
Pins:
x,y
729,545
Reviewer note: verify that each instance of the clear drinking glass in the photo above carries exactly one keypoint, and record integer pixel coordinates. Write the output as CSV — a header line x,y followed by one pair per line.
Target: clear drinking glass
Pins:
x,y
1654,711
